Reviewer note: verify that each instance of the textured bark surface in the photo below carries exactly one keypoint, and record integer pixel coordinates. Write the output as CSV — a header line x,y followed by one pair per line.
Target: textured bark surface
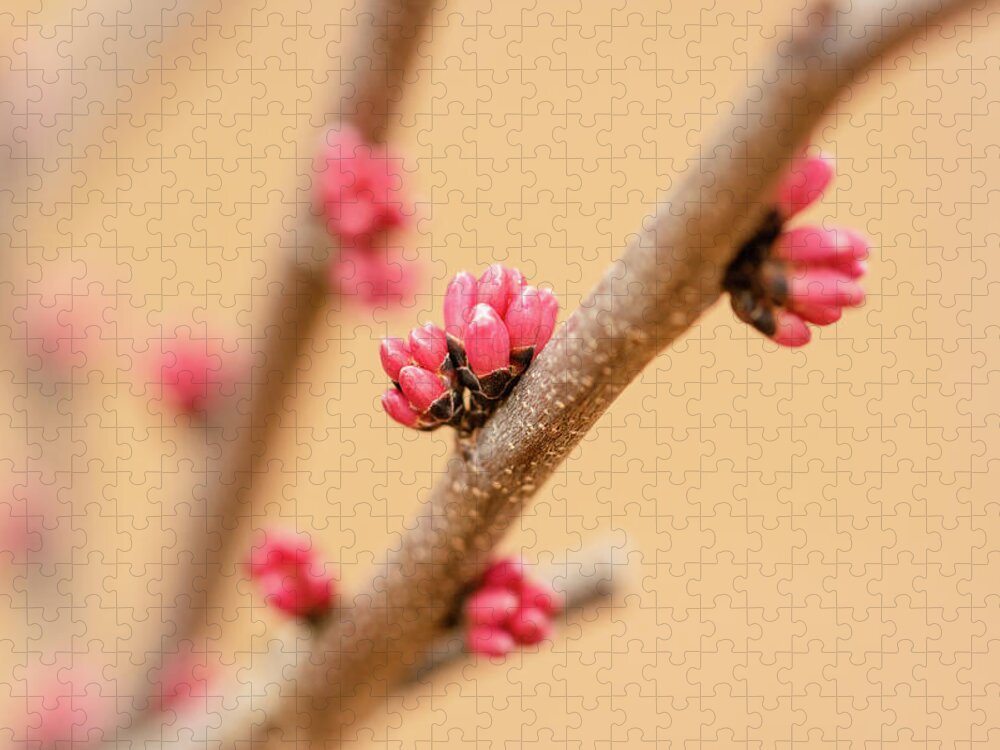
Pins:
x,y
668,276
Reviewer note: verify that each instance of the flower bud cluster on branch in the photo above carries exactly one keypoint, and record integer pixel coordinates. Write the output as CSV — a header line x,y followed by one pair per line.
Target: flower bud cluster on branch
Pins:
x,y
359,193
508,610
293,580
782,279
494,327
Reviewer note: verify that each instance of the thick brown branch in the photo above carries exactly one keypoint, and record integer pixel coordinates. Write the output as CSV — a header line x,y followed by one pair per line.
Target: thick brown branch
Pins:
x,y
667,277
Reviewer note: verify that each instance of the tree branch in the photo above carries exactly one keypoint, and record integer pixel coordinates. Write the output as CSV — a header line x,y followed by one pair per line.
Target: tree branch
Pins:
x,y
668,276
235,708
386,49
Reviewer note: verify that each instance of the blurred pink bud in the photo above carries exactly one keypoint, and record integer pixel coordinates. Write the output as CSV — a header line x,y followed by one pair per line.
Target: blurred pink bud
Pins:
x,y
291,578
550,312
494,288
359,186
489,641
421,387
822,286
487,343
817,313
853,269
524,318
537,596
810,245
190,376
396,406
429,346
395,355
805,182
529,626
515,283
507,572
459,300
790,329
490,606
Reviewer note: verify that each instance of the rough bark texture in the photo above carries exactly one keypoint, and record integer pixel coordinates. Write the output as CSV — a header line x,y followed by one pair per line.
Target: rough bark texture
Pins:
x,y
667,277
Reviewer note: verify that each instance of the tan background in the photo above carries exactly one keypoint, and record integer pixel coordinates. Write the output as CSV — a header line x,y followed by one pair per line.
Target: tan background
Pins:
x,y
810,539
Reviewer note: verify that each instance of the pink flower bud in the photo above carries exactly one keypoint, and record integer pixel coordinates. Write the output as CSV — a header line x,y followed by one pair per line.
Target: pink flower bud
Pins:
x,y
291,578
853,269
505,573
396,406
515,283
421,387
487,343
805,182
489,641
494,288
459,300
429,346
490,606
809,246
190,376
359,186
523,319
537,596
817,313
395,355
822,286
790,329
529,626
550,312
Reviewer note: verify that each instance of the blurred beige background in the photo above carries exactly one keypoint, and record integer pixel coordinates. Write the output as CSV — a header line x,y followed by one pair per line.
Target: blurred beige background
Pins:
x,y
810,539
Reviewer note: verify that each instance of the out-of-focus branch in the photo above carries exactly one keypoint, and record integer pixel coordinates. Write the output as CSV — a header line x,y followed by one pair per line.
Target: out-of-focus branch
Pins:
x,y
241,706
391,31
668,276
597,575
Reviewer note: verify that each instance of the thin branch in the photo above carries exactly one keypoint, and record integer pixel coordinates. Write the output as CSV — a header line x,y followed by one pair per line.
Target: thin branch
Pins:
x,y
392,29
235,708
596,576
668,276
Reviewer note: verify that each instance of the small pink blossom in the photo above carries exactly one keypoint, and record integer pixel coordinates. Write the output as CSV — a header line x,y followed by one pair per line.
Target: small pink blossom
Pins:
x,y
290,576
784,278
191,375
508,609
487,341
359,186
489,641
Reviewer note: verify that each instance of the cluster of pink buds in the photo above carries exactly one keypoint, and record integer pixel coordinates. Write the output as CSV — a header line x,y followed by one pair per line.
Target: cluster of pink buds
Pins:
x,y
291,577
508,610
782,279
494,327
191,376
359,187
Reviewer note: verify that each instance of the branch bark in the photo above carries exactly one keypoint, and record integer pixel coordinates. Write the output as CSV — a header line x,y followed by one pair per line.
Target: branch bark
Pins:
x,y
668,276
